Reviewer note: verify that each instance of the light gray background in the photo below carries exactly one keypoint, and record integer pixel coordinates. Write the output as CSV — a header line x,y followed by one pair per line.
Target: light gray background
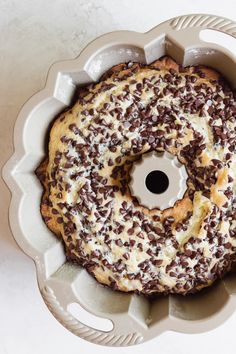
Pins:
x,y
34,34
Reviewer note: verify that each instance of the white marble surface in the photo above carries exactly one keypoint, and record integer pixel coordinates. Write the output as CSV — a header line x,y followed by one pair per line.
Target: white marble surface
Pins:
x,y
34,34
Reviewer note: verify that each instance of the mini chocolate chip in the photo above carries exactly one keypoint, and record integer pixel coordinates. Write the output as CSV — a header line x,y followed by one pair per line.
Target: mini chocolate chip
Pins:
x,y
131,231
126,256
227,245
188,253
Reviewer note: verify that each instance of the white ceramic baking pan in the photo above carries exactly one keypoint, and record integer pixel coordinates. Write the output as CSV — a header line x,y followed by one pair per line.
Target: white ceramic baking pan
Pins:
x,y
135,319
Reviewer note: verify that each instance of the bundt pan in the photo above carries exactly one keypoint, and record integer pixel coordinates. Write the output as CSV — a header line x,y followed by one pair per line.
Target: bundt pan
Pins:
x,y
134,319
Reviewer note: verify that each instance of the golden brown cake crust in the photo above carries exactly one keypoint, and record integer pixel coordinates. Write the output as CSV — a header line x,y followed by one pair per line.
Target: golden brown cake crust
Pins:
x,y
190,112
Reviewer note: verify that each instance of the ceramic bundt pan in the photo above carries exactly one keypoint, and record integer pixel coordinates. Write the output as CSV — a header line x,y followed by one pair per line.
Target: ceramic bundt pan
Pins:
x,y
135,319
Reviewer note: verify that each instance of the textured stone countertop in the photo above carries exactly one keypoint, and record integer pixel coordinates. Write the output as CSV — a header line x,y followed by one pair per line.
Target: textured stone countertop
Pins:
x,y
33,35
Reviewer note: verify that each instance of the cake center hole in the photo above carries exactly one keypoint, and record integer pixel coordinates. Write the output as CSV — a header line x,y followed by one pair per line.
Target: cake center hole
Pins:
x,y
157,182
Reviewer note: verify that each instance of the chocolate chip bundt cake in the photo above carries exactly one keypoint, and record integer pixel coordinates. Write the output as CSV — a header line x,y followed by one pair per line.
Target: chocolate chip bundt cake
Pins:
x,y
188,112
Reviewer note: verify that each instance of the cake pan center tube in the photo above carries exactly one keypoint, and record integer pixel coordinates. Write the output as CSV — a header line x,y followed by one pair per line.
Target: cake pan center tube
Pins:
x,y
158,180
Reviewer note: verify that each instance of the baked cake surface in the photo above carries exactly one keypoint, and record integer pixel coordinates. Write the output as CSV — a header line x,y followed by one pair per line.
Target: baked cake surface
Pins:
x,y
189,112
